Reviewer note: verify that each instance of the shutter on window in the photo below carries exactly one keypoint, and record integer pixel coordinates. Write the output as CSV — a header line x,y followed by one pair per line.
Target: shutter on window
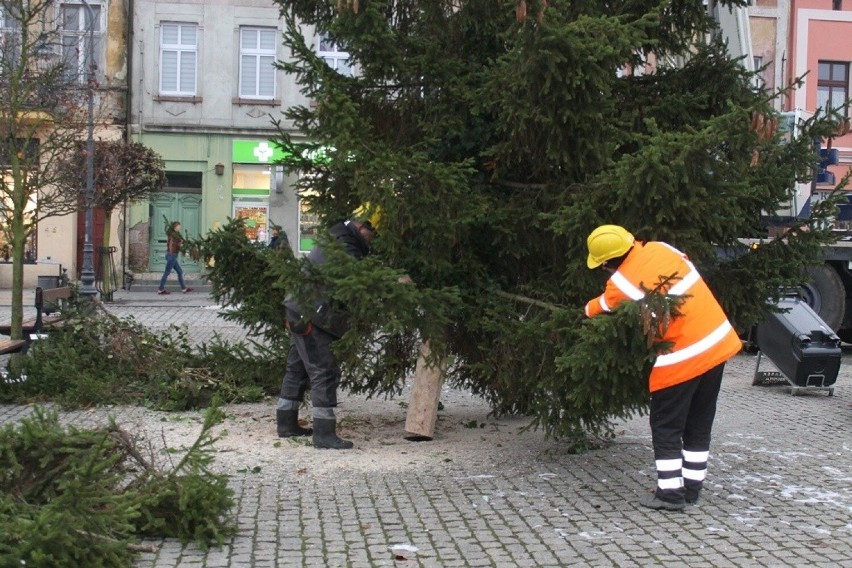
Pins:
x,y
170,34
188,36
248,39
266,86
187,72
169,72
267,40
248,76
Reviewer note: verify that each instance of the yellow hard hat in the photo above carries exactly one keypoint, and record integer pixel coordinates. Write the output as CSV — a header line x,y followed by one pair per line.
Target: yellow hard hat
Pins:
x,y
607,242
369,214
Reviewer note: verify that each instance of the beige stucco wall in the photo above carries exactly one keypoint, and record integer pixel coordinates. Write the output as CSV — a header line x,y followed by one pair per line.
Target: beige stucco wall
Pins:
x,y
56,240
764,39
31,274
57,236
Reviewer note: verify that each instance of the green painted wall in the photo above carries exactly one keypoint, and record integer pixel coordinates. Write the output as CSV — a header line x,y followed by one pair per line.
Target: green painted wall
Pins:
x,y
194,153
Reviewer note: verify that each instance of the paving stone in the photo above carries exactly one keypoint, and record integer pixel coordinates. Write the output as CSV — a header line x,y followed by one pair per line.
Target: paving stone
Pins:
x,y
777,493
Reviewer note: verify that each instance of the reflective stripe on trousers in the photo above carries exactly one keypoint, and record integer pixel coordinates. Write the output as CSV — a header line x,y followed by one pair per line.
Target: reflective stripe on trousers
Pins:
x,y
681,423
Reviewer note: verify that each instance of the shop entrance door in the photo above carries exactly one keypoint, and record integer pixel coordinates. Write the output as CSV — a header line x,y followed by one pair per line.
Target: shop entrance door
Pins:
x,y
174,206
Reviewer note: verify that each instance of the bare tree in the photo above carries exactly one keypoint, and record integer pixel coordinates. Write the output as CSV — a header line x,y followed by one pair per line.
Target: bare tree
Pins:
x,y
43,116
123,172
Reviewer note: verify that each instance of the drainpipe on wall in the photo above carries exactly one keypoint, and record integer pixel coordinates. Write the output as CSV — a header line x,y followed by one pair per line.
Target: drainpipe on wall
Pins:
x,y
128,117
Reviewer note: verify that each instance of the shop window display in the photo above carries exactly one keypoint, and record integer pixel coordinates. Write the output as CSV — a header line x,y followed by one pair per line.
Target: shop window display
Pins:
x,y
251,199
256,218
308,226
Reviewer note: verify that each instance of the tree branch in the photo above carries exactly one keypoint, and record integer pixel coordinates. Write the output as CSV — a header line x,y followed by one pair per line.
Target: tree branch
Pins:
x,y
519,184
527,300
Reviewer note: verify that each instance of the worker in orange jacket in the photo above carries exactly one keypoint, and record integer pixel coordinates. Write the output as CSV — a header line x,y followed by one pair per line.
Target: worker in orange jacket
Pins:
x,y
684,381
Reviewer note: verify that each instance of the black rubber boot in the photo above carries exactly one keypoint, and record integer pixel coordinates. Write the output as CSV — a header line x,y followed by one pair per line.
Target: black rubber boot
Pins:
x,y
693,490
288,424
664,500
325,435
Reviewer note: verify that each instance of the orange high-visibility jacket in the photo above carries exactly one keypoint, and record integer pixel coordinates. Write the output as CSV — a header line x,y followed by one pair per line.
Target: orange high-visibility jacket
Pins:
x,y
701,335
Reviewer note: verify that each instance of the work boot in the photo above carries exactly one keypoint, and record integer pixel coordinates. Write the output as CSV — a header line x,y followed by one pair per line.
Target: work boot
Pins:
x,y
288,424
673,502
325,435
692,490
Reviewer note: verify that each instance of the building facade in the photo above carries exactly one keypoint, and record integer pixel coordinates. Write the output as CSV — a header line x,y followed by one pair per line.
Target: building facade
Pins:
x,y
808,41
58,241
820,50
195,81
205,95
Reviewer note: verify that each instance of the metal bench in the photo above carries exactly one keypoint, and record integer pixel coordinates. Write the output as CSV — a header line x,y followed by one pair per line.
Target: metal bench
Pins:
x,y
46,302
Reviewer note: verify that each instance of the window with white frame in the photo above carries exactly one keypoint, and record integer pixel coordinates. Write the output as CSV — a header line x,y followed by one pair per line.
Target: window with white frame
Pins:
x,y
8,24
257,63
178,59
334,57
76,22
8,37
757,62
832,84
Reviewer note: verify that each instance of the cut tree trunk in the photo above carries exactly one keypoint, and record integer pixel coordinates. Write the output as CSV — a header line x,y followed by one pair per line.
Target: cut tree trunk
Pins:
x,y
425,397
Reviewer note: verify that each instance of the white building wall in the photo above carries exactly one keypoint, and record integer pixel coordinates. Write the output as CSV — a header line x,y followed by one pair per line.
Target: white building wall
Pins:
x,y
215,116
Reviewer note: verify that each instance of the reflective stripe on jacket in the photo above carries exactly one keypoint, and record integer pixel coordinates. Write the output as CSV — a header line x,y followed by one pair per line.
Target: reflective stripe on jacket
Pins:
x,y
701,336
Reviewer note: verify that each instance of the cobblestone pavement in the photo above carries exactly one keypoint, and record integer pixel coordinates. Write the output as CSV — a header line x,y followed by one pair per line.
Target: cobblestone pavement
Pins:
x,y
779,489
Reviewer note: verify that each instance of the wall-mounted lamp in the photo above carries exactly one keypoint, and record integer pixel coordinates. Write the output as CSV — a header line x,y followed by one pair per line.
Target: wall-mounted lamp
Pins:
x,y
219,169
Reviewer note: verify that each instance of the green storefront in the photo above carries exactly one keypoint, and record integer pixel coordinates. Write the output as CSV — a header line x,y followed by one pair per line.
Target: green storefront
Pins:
x,y
188,197
255,176
261,194
212,178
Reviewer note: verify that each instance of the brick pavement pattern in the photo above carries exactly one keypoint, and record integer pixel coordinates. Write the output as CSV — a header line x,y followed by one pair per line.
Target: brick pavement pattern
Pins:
x,y
778,493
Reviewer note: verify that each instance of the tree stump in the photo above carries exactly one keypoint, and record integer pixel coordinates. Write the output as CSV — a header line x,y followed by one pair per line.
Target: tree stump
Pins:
x,y
425,396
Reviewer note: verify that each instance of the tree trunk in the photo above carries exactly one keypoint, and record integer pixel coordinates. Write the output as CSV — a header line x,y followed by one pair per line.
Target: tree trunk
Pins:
x,y
107,283
19,242
425,396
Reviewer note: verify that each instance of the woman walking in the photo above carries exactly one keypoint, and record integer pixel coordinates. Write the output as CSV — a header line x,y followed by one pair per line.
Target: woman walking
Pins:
x,y
173,245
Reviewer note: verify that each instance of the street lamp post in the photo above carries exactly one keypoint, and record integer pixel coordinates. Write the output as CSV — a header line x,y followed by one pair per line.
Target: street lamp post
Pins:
x,y
87,274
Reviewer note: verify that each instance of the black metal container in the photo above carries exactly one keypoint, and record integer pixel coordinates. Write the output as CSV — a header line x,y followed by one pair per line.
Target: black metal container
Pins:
x,y
800,344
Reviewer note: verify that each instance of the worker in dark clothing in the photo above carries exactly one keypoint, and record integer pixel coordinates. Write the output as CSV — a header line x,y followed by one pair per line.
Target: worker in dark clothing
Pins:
x,y
279,238
310,361
685,380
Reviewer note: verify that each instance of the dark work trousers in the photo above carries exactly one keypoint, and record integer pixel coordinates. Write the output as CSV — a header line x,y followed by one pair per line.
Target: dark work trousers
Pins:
x,y
681,422
310,363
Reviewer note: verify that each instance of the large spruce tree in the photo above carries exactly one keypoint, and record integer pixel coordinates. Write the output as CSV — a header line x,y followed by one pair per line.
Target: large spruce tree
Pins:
x,y
495,135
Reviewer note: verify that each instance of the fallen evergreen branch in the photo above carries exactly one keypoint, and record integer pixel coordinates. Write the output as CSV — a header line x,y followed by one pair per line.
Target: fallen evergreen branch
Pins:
x,y
170,500
84,497
97,358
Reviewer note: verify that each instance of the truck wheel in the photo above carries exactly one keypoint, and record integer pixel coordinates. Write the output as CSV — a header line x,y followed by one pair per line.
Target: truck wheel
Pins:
x,y
825,294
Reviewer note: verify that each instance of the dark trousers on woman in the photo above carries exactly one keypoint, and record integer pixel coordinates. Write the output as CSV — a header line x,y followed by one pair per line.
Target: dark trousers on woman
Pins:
x,y
172,264
681,423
